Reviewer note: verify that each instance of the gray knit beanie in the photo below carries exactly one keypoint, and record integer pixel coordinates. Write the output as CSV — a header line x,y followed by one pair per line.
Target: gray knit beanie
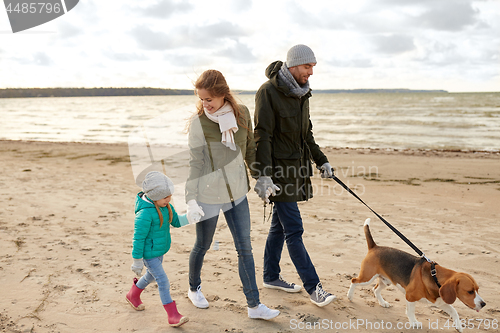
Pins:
x,y
157,186
298,55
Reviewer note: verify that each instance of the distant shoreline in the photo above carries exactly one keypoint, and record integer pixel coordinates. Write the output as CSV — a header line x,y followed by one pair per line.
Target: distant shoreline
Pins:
x,y
93,92
445,152
89,92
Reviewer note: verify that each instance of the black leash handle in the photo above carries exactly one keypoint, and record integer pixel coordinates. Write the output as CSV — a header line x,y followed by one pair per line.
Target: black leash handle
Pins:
x,y
396,231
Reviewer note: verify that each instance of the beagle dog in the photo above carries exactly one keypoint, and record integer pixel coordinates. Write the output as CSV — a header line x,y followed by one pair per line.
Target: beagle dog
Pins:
x,y
412,275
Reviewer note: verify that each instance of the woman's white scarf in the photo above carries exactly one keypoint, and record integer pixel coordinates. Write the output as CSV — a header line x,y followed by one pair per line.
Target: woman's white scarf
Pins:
x,y
227,124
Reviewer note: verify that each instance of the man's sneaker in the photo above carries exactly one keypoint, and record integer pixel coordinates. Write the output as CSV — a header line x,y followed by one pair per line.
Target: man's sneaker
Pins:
x,y
197,298
262,312
283,285
321,297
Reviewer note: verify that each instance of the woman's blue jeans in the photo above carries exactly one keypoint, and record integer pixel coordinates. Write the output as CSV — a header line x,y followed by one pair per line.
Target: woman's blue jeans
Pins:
x,y
238,220
287,226
155,272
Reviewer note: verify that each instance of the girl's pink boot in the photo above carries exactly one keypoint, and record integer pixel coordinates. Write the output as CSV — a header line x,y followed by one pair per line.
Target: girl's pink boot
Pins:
x,y
134,297
175,319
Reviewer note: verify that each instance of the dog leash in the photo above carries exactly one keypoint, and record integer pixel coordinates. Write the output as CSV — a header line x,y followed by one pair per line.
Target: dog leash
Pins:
x,y
396,231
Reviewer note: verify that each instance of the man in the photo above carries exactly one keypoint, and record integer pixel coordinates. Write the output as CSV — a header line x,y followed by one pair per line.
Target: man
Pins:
x,y
285,147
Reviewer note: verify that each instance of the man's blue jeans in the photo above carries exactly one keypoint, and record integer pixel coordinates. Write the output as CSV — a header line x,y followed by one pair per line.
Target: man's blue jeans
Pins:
x,y
238,220
155,272
286,225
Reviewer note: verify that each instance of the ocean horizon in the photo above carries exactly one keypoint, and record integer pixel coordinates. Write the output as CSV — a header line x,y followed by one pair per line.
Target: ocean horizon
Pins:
x,y
151,91
438,120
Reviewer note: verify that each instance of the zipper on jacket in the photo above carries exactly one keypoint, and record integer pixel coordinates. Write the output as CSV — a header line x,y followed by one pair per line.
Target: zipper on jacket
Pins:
x,y
301,150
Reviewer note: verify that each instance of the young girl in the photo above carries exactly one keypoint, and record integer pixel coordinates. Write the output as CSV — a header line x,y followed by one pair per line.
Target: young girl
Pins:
x,y
153,217
220,142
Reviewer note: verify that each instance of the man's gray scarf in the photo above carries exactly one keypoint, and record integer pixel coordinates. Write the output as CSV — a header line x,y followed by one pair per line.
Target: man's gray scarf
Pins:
x,y
287,77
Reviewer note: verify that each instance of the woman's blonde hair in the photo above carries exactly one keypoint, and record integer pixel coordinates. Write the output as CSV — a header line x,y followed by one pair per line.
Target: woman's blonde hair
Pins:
x,y
215,84
161,215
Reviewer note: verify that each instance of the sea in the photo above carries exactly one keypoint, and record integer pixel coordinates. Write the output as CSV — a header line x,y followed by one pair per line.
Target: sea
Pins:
x,y
434,121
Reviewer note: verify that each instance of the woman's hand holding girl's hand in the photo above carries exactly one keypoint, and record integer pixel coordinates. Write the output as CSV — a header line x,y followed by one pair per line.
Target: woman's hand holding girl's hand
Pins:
x,y
194,212
137,266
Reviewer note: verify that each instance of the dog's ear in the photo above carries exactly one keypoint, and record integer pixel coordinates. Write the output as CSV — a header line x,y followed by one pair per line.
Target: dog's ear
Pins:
x,y
448,291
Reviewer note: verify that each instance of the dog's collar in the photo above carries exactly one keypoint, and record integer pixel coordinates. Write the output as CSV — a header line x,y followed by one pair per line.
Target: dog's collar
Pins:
x,y
434,273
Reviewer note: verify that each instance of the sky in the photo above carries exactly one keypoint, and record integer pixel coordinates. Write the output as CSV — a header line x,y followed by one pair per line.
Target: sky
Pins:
x,y
452,45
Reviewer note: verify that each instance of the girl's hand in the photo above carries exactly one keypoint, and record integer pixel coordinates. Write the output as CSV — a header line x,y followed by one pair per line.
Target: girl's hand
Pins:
x,y
137,266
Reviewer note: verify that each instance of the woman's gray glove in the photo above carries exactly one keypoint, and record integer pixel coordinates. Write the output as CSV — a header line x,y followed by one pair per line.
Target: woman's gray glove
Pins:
x,y
265,188
194,212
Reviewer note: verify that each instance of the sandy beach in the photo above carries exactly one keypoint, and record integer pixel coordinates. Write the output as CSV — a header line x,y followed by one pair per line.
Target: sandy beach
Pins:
x,y
66,224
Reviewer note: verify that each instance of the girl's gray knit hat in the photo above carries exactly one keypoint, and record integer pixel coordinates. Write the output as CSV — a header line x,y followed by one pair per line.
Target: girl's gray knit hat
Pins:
x,y
157,186
298,55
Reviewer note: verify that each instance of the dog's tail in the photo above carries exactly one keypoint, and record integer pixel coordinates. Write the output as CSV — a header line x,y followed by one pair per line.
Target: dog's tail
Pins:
x,y
369,239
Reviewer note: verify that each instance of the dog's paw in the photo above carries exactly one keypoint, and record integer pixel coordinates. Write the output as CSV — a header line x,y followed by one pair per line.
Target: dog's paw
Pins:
x,y
416,325
350,293
459,327
385,304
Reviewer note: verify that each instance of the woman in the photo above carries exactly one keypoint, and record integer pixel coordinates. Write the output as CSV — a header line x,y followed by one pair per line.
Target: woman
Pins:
x,y
220,140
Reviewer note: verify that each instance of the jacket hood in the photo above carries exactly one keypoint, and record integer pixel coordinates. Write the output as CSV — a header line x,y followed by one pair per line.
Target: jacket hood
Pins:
x,y
273,69
272,73
140,203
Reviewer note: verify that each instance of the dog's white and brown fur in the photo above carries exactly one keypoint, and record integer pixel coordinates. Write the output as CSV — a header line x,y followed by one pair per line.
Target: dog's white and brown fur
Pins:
x,y
412,275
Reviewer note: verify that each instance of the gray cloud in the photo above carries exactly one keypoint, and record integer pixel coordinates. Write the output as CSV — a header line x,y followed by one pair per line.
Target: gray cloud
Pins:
x,y
151,40
441,54
89,9
187,36
207,36
306,19
405,2
123,56
187,60
443,15
239,53
220,30
393,44
164,9
408,15
241,5
491,56
447,16
352,63
42,59
68,30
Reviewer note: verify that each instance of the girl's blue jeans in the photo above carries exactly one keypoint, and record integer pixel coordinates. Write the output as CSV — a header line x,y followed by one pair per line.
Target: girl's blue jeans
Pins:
x,y
155,272
238,220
